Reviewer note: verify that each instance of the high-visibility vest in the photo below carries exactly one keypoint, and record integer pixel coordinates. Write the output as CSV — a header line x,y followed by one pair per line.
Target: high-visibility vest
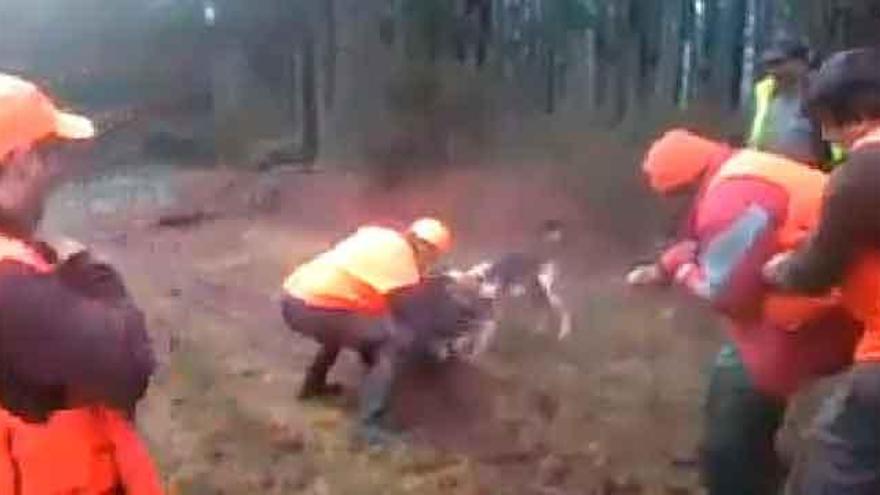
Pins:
x,y
838,155
804,187
764,91
83,451
357,273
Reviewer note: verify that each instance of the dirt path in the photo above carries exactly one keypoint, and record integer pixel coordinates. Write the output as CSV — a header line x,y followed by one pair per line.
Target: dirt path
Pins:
x,y
604,413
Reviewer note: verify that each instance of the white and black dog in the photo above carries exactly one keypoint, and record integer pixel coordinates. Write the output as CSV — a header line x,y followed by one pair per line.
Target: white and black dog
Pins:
x,y
529,278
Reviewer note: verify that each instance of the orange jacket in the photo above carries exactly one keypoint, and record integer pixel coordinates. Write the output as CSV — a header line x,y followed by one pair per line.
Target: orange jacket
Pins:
x,y
357,273
803,210
861,295
861,288
804,207
83,451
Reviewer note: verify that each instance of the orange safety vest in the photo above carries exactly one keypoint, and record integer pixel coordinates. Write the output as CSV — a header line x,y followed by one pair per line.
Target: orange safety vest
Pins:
x,y
357,273
83,451
861,287
805,188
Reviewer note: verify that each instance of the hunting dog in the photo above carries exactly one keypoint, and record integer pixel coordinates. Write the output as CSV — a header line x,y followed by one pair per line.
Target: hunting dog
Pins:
x,y
530,279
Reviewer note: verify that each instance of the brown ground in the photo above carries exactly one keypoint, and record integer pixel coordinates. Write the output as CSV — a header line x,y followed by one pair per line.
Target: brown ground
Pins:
x,y
607,412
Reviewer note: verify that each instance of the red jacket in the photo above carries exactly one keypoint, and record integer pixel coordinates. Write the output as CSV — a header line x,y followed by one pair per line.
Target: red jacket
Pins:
x,y
739,221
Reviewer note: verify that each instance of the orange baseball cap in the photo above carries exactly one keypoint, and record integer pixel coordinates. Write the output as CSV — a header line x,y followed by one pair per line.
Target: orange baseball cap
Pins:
x,y
679,158
27,116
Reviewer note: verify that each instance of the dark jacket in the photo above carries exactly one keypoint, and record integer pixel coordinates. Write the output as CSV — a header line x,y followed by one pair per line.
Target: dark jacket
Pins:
x,y
69,337
845,250
850,224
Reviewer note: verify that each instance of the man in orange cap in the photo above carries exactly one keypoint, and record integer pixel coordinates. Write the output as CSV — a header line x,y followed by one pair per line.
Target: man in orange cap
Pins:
x,y
343,298
749,206
74,352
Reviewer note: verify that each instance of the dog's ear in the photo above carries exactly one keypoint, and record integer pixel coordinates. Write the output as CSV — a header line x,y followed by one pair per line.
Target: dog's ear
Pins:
x,y
480,270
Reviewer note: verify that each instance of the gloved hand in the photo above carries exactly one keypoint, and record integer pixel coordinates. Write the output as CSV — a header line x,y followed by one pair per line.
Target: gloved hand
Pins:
x,y
646,275
679,254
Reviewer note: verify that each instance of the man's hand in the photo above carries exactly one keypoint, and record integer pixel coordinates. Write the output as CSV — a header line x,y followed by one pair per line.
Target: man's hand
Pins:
x,y
646,275
681,253
684,272
771,269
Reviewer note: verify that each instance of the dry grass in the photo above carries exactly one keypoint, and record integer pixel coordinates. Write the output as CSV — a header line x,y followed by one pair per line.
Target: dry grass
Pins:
x,y
608,408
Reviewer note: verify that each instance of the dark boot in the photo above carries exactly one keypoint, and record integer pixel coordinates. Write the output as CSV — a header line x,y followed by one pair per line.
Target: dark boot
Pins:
x,y
315,384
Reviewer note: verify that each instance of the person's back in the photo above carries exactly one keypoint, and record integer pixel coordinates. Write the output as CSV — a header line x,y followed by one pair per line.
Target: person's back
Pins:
x,y
753,206
855,241
845,251
80,447
357,273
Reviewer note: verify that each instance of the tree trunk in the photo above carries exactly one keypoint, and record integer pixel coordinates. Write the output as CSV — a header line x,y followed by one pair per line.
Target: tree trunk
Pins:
x,y
605,61
330,53
631,109
708,87
484,35
626,64
727,51
688,47
291,85
739,14
550,106
749,51
310,129
591,70
669,52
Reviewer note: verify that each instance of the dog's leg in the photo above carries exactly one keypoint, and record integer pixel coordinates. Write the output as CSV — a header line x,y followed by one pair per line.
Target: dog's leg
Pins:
x,y
547,313
565,325
558,311
485,337
547,278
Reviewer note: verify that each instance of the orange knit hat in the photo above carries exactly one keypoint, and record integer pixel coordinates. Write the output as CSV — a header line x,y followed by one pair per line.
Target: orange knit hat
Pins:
x,y
678,159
